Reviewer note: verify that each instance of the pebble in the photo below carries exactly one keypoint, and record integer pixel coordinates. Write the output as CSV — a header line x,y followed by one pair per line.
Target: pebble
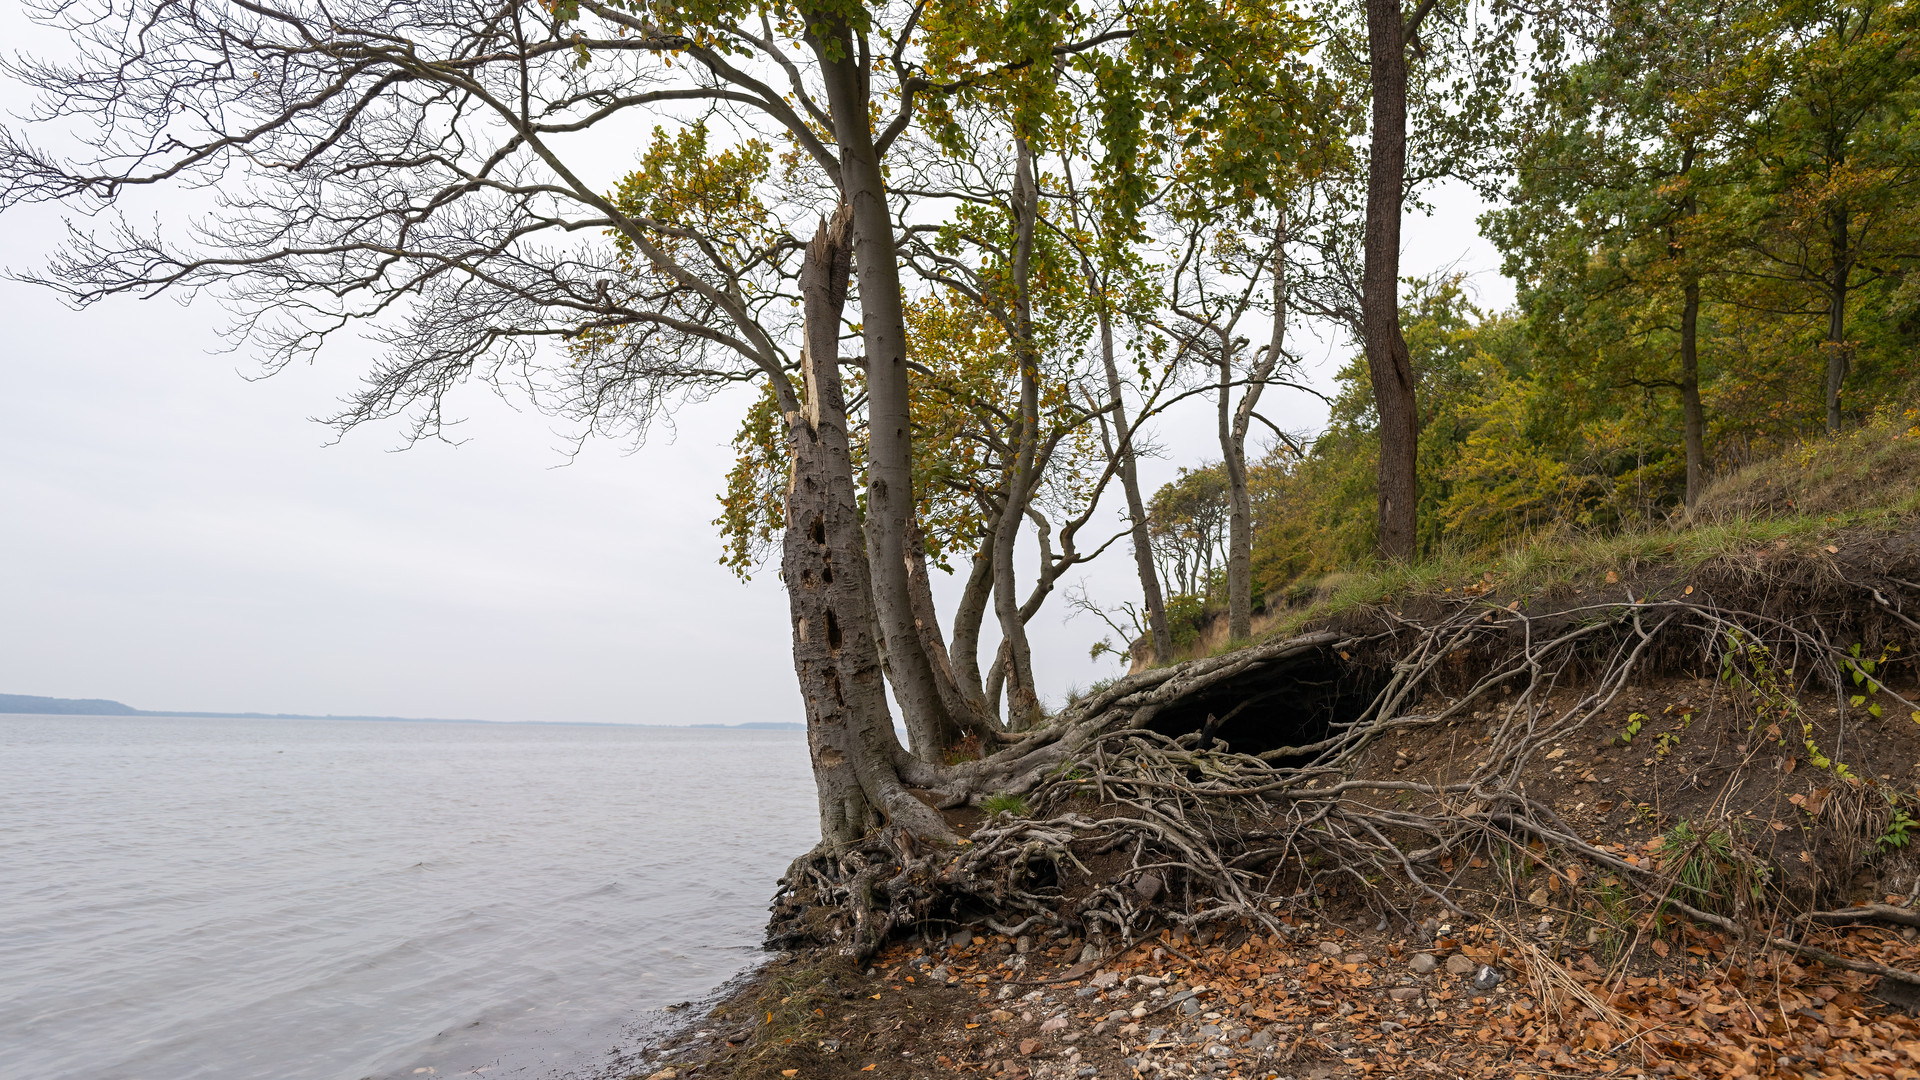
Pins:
x,y
1022,944
1148,886
1190,1007
1331,948
1459,964
1486,978
1355,958
1423,963
1261,1040
1404,993
1058,1023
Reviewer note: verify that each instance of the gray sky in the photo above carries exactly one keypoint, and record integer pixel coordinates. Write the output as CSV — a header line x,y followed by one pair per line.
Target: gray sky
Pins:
x,y
176,536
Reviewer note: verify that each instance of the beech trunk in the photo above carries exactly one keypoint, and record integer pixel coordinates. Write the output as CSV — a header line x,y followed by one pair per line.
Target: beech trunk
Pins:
x,y
835,657
890,437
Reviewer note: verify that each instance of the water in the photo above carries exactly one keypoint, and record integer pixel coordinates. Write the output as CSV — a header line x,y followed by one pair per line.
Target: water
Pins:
x,y
332,900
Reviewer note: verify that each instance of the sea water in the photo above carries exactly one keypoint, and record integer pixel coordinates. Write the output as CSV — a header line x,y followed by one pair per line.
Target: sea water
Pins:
x,y
333,900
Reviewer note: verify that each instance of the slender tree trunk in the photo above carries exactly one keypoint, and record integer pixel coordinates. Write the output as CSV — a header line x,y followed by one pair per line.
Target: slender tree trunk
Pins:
x,y
849,732
1233,451
967,712
967,618
1388,362
1136,506
1839,360
889,441
1023,700
1696,417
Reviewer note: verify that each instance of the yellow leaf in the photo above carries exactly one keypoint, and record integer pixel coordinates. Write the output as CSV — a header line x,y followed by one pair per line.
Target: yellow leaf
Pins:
x,y
869,1068
789,1072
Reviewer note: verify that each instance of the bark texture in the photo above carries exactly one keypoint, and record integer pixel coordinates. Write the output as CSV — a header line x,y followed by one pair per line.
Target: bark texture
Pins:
x,y
1388,362
835,657
889,440
963,706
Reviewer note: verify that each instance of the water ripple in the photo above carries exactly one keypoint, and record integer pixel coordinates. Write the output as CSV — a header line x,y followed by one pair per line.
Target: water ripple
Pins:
x,y
335,900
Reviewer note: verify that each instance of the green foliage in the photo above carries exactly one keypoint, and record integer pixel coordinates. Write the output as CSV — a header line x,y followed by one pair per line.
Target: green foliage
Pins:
x,y
1705,868
1627,734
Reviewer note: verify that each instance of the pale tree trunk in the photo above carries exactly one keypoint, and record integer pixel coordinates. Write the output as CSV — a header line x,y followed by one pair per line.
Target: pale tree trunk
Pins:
x,y
1023,702
1388,362
1129,464
1690,408
890,438
1839,360
1233,452
849,732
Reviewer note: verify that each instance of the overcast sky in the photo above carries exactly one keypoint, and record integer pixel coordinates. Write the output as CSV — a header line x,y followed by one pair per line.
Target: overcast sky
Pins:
x,y
177,535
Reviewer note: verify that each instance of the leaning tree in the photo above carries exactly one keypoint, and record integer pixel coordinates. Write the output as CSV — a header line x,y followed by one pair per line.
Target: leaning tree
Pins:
x,y
424,170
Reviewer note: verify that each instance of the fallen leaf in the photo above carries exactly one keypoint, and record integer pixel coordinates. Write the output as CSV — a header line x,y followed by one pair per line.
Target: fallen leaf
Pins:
x,y
1613,578
1660,947
1689,591
1831,550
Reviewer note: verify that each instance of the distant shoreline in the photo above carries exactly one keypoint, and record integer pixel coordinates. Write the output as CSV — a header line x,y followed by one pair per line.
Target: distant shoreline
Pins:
x,y
31,705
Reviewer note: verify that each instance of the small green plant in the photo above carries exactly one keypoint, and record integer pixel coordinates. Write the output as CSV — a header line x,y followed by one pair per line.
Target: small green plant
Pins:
x,y
1635,722
995,805
1664,743
1896,834
1706,869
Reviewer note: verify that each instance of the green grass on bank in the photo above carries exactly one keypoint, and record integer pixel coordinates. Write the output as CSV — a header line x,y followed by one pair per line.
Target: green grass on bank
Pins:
x,y
1869,478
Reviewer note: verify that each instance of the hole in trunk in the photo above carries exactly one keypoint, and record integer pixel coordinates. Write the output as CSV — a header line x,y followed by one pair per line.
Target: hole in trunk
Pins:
x,y
818,530
833,632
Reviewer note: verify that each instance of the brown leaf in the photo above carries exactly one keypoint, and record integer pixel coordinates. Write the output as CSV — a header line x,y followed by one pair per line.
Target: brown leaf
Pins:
x,y
1659,947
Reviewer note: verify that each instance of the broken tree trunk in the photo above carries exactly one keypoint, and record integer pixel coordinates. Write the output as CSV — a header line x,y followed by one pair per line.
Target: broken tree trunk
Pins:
x,y
835,657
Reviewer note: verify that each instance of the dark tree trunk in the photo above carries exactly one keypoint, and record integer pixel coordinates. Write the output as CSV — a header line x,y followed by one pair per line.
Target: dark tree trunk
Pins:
x,y
1233,451
1696,417
889,439
849,732
1839,359
1387,360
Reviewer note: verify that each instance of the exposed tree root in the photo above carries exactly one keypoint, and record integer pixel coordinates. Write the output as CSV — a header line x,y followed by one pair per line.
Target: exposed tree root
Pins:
x,y
1187,831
